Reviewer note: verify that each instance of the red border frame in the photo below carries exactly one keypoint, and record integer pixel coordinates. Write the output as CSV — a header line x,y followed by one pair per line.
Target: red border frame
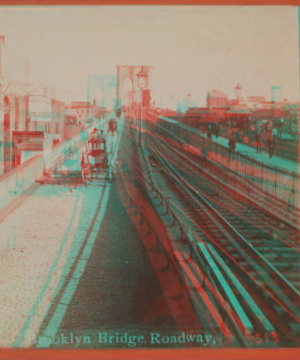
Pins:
x,y
124,354
161,354
193,354
150,2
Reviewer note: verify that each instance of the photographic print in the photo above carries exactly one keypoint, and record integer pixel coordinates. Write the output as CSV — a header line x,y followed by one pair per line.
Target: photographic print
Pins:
x,y
149,177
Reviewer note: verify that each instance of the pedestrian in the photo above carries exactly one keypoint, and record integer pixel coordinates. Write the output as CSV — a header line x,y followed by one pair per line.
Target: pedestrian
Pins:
x,y
271,146
258,142
230,142
233,142
84,168
209,134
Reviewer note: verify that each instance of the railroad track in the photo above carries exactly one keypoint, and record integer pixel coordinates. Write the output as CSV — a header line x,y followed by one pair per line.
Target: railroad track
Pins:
x,y
239,238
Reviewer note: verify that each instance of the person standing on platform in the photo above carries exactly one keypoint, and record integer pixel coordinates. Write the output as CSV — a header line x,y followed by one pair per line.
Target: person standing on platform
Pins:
x,y
233,142
230,141
258,142
271,146
209,133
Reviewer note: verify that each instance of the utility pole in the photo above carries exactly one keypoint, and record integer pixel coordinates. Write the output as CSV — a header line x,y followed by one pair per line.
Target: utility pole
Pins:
x,y
1,47
27,119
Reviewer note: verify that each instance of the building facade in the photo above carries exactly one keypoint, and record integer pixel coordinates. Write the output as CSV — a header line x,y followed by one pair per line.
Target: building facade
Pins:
x,y
57,126
216,98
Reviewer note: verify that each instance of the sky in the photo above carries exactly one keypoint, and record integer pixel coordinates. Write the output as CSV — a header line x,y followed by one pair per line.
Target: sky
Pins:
x,y
193,49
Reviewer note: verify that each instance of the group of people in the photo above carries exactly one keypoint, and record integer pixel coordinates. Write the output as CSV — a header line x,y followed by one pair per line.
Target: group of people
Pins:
x,y
213,129
258,142
270,143
96,136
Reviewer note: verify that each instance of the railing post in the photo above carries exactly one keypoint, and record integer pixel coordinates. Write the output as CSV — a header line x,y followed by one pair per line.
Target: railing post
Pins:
x,y
293,188
275,179
249,187
235,182
262,175
253,178
289,210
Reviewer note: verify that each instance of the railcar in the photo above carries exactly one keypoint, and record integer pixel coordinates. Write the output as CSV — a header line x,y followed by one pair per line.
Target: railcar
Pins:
x,y
112,127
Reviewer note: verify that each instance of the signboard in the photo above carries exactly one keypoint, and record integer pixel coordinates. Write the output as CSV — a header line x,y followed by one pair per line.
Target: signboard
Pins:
x,y
40,108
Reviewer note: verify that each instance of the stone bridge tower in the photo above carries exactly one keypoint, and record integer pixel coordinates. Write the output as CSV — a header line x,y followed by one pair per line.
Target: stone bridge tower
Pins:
x,y
130,84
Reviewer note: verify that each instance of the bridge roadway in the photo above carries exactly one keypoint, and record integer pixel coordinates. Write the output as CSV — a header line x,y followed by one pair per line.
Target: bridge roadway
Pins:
x,y
75,263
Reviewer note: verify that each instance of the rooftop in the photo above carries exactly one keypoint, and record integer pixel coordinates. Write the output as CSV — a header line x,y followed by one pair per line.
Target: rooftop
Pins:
x,y
216,94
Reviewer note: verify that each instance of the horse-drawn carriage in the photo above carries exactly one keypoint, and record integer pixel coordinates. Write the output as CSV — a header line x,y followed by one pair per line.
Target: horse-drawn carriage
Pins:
x,y
94,162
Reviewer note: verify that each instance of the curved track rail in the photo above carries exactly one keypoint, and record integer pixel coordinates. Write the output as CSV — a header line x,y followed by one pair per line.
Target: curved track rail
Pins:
x,y
239,239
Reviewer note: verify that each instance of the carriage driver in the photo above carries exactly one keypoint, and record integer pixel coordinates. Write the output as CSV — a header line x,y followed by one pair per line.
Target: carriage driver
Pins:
x,y
84,167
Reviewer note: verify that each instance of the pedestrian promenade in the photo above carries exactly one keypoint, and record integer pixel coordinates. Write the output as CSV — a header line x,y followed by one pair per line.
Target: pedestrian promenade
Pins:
x,y
281,163
39,240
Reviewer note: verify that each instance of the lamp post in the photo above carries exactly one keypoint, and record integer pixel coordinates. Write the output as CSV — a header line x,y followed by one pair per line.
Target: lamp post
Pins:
x,y
1,43
142,80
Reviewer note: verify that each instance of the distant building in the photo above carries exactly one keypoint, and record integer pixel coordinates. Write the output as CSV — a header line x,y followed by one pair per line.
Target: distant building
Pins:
x,y
197,111
216,98
256,99
13,118
39,113
28,110
290,113
185,104
82,110
57,119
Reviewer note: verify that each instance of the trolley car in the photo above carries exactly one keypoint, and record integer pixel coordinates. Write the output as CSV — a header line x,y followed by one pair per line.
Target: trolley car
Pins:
x,y
112,127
